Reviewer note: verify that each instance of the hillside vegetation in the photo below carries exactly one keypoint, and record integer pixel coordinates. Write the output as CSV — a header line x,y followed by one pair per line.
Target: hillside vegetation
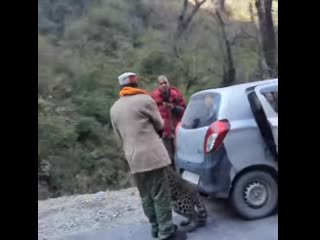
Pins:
x,y
83,45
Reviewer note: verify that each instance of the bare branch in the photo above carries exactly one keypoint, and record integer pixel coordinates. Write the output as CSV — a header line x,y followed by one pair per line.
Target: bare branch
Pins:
x,y
199,3
184,10
194,11
184,20
177,55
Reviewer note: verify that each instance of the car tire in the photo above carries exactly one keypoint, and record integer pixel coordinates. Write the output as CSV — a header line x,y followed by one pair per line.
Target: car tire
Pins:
x,y
254,195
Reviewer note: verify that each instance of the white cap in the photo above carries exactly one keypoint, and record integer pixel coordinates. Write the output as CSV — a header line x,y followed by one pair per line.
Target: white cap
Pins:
x,y
124,78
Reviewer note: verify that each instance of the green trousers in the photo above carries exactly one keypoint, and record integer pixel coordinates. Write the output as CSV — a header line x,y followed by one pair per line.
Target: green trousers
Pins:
x,y
154,191
169,144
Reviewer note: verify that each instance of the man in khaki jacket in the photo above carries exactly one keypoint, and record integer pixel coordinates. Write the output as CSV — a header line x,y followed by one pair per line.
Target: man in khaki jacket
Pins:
x,y
137,124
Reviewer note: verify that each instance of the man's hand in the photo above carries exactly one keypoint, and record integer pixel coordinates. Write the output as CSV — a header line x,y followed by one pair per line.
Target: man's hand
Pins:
x,y
160,133
168,105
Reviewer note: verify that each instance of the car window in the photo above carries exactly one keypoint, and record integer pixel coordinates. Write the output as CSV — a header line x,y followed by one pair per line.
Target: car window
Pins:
x,y
272,98
201,110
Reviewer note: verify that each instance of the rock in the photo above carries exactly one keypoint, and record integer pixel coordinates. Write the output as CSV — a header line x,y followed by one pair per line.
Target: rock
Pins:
x,y
100,196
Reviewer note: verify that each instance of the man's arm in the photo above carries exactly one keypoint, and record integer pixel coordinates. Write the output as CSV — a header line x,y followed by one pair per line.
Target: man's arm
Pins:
x,y
180,106
116,133
155,95
152,112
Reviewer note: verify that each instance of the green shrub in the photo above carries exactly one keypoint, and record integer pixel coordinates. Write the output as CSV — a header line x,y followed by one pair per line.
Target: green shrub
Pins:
x,y
156,63
52,138
93,106
88,128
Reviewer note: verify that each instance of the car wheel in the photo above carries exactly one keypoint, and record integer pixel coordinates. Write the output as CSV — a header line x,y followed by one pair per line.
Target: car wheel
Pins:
x,y
254,195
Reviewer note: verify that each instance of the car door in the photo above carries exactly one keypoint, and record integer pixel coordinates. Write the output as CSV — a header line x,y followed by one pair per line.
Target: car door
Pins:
x,y
268,98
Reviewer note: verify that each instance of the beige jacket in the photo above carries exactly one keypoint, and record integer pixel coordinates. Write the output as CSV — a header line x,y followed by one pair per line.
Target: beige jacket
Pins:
x,y
136,120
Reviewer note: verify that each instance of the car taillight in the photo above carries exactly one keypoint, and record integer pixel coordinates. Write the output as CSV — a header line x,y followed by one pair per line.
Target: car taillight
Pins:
x,y
216,134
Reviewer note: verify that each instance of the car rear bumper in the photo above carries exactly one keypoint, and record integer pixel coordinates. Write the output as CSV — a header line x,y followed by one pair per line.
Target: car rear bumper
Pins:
x,y
214,173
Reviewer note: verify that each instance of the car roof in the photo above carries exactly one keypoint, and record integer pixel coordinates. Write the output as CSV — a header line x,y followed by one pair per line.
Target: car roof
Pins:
x,y
234,104
226,90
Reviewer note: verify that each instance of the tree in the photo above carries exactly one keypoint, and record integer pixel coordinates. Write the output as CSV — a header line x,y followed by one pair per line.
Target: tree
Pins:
x,y
220,4
264,10
184,18
229,71
260,72
228,75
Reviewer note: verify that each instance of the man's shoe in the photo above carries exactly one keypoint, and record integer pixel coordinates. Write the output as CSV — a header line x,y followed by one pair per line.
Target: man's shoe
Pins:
x,y
177,235
155,234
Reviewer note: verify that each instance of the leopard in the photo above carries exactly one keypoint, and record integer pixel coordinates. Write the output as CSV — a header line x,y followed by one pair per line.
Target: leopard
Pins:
x,y
186,201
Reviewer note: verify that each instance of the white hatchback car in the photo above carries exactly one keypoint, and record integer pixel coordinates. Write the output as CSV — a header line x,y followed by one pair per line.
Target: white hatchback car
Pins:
x,y
227,144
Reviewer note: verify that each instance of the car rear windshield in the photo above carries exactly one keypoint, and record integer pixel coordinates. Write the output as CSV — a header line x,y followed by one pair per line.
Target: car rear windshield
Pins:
x,y
201,110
